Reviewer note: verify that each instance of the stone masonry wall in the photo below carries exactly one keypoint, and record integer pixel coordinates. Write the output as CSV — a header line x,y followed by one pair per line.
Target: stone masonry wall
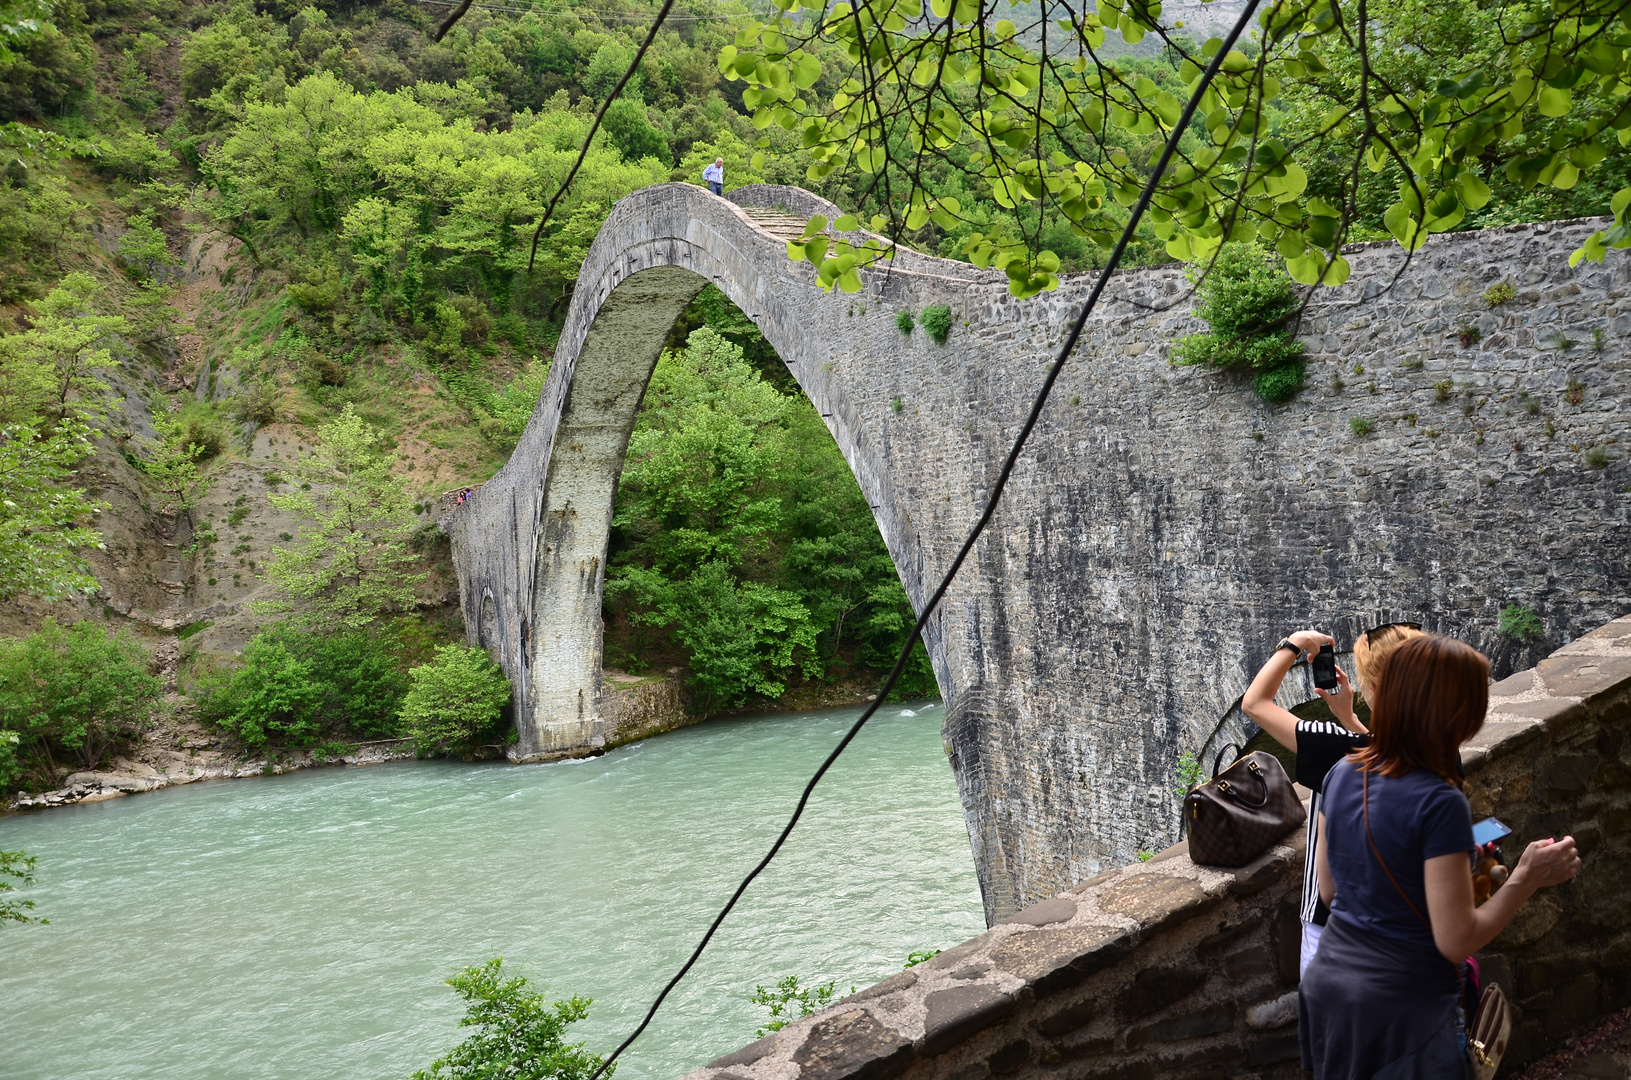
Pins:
x,y
1173,971
1162,530
635,707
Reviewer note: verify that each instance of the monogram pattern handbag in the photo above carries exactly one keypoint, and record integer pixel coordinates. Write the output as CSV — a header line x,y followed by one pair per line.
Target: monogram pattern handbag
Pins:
x,y
1242,811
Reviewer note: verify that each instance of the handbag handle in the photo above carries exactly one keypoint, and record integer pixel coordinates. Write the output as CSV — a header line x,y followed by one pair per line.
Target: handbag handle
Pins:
x,y
1365,795
1217,762
1234,792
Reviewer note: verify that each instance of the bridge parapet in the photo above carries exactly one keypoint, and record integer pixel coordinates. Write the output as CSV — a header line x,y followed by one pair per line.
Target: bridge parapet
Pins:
x,y
1166,969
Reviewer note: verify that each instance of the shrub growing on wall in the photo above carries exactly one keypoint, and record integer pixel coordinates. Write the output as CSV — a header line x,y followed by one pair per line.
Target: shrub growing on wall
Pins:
x,y
1247,300
937,322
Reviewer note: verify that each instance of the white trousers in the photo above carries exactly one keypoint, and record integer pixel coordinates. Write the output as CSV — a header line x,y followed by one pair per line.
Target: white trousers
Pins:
x,y
1311,944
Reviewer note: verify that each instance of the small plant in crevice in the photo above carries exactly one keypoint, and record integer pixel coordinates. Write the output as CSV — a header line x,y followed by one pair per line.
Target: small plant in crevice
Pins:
x,y
936,320
1499,293
1520,623
1075,399
1596,457
897,405
1549,428
1360,426
1359,369
1279,383
1190,772
1413,363
904,322
1478,439
1146,854
1561,342
1410,418
1575,392
1530,405
917,957
1468,335
789,1001
1443,389
1598,339
1247,301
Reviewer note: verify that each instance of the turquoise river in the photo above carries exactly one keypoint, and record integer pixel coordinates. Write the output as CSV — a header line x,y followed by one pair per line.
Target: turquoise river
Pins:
x,y
300,926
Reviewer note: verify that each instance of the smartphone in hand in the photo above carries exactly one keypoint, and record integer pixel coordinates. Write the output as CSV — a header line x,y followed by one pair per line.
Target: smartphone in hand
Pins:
x,y
1489,831
1324,664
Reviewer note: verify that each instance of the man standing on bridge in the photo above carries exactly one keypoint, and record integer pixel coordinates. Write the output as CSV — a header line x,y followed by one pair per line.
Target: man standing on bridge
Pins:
x,y
714,176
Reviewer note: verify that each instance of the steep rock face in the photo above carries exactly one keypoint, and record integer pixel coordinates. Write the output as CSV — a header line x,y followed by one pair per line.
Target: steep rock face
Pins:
x,y
1163,528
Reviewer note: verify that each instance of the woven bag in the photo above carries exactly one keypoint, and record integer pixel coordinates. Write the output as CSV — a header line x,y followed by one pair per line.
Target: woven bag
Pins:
x,y
1240,813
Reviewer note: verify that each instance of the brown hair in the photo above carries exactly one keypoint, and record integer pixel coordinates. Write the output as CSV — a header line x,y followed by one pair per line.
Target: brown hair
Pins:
x,y
1433,700
1372,650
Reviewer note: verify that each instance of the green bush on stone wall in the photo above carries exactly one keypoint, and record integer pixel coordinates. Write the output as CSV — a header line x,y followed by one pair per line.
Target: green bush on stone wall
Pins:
x,y
936,322
1521,623
1247,300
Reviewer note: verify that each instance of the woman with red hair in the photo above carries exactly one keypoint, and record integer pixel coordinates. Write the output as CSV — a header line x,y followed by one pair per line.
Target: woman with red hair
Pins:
x,y
1381,997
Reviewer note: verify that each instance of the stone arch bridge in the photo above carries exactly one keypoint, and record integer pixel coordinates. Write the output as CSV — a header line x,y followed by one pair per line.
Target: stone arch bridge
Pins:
x,y
1164,527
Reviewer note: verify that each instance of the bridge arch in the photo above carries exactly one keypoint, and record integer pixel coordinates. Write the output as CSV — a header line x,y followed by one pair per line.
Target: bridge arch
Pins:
x,y
540,615
1164,527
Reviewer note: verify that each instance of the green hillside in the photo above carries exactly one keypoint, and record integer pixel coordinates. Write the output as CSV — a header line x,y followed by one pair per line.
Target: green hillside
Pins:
x,y
253,254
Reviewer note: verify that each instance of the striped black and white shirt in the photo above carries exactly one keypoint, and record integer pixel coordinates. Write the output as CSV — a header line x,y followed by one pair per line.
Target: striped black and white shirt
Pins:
x,y
1320,745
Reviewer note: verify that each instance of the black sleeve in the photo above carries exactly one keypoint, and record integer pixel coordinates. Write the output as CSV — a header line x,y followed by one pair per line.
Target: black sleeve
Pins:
x,y
1320,745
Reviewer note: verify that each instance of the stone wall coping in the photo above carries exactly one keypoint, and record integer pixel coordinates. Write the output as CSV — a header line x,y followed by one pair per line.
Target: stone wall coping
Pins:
x,y
1054,945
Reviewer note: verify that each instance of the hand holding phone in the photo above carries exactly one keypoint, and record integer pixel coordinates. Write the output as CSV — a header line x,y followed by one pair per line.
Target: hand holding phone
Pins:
x,y
1324,664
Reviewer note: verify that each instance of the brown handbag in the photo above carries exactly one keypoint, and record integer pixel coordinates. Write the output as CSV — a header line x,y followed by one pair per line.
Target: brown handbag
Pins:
x,y
1242,811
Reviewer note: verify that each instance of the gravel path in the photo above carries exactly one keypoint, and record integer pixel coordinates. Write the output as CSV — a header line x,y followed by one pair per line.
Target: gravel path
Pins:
x,y
1604,1054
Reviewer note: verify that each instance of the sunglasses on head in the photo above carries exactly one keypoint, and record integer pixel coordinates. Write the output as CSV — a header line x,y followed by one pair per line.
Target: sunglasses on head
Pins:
x,y
1387,625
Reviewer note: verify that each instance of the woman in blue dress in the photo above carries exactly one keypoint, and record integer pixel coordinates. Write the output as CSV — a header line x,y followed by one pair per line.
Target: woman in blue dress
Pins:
x,y
1380,998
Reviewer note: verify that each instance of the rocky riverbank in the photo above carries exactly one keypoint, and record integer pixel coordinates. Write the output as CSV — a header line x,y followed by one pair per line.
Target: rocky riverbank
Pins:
x,y
182,751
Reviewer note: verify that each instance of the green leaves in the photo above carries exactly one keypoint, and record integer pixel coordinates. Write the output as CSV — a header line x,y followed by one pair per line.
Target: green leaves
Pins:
x,y
350,563
1047,137
72,694
45,525
514,1032
455,700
